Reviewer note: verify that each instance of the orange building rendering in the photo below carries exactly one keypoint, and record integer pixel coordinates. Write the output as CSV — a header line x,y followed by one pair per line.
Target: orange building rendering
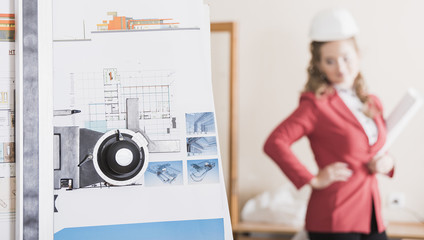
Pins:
x,y
7,27
118,23
128,23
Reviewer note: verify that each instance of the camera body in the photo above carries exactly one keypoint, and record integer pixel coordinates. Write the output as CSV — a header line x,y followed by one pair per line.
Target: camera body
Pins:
x,y
87,158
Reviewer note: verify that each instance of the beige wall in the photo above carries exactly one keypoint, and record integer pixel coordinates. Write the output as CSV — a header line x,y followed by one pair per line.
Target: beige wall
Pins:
x,y
273,56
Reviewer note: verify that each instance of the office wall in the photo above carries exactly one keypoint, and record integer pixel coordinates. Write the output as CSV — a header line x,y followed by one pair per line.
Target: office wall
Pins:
x,y
273,53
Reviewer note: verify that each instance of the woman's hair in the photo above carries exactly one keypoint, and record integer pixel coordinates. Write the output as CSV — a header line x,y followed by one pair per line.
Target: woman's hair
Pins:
x,y
319,85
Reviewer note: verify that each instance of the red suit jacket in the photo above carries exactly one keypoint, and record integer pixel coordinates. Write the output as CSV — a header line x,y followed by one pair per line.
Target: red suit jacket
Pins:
x,y
335,135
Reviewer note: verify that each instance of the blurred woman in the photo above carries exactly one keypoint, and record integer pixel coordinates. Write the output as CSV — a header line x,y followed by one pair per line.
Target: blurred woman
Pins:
x,y
345,128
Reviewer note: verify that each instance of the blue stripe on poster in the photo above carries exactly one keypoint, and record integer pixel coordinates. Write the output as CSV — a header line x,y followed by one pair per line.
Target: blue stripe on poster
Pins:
x,y
208,229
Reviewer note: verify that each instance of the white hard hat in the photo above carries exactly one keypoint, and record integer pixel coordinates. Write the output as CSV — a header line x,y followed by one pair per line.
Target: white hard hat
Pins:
x,y
333,24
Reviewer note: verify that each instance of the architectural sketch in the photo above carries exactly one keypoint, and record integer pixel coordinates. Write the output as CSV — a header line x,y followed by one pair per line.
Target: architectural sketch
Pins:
x,y
7,111
125,23
121,20
7,152
7,170
101,97
7,27
7,196
7,83
159,173
200,123
201,146
203,171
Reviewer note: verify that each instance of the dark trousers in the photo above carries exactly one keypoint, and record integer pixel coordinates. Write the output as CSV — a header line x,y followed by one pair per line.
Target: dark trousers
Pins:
x,y
374,235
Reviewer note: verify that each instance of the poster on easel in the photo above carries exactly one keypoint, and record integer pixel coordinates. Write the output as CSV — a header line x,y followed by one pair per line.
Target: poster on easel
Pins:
x,y
135,138
7,115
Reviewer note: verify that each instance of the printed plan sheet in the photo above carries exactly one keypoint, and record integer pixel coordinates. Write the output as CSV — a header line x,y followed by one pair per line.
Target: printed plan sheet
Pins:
x,y
7,119
158,53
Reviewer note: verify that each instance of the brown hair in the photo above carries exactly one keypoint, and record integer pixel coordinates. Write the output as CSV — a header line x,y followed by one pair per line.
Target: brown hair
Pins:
x,y
319,85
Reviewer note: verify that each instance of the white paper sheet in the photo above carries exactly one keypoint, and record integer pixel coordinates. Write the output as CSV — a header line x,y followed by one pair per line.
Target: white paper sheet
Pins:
x,y
398,119
94,71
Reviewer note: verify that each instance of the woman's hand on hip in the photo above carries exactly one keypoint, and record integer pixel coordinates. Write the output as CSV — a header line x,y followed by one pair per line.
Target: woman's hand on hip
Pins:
x,y
335,172
382,164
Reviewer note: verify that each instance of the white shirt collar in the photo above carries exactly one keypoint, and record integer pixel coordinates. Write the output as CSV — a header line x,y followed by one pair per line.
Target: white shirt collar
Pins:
x,y
341,88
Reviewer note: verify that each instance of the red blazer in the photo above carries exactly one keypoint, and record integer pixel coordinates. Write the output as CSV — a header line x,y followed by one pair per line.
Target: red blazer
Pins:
x,y
335,135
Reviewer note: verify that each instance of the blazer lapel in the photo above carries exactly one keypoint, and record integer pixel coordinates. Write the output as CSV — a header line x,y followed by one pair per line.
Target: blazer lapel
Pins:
x,y
340,107
337,103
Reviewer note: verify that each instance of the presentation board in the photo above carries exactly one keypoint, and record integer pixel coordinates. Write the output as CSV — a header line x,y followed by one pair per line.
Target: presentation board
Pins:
x,y
136,142
7,116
